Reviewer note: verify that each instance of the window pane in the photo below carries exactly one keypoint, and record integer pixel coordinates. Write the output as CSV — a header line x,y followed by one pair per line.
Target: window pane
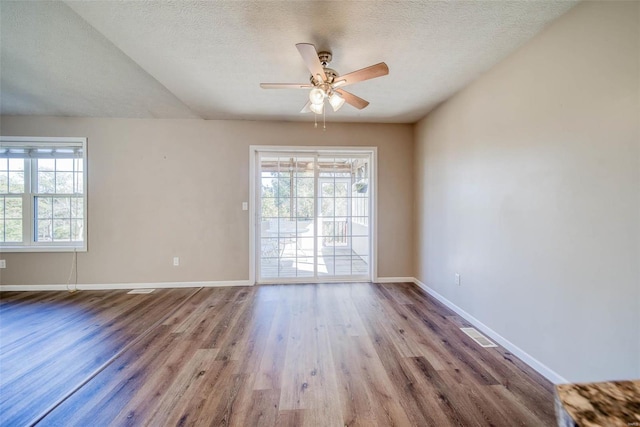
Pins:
x,y
269,187
45,228
76,230
327,189
64,182
341,207
359,265
269,208
342,265
342,189
61,207
44,206
46,165
305,267
77,208
4,182
269,248
64,165
13,207
287,246
284,187
16,182
61,229
14,164
327,249
305,208
46,182
13,230
327,207
360,245
284,207
287,267
304,187
325,266
326,228
359,226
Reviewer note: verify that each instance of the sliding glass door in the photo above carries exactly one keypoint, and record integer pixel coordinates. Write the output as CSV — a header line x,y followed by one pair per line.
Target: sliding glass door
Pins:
x,y
313,216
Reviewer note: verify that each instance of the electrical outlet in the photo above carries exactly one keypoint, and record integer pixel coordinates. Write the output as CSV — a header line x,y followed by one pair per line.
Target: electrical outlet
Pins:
x,y
3,263
176,261
457,279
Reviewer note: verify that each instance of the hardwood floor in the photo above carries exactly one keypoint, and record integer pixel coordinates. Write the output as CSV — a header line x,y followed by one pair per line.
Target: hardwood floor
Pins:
x,y
319,355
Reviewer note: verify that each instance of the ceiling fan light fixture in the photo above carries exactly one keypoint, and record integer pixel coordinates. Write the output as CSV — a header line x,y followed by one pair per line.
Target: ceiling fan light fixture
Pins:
x,y
338,83
316,96
317,108
336,101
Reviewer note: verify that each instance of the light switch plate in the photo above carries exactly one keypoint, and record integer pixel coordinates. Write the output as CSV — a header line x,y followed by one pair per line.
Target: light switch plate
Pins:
x,y
245,206
3,263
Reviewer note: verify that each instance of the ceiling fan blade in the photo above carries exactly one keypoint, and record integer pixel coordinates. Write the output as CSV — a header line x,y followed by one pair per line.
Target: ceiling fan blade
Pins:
x,y
285,86
371,72
306,108
310,58
353,100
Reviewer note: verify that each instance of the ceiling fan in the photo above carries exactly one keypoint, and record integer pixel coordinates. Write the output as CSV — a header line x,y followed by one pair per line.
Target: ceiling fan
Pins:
x,y
327,83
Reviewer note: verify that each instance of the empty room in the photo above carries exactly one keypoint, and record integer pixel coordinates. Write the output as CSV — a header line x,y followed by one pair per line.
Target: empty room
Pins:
x,y
320,213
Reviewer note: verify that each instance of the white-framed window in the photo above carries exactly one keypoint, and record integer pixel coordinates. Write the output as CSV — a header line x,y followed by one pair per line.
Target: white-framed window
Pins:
x,y
43,200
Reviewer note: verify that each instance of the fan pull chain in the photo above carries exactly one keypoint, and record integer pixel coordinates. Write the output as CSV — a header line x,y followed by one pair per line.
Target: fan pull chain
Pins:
x,y
324,124
315,119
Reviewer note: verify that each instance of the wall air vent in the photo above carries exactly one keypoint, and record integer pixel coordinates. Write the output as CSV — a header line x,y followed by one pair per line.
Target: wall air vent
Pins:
x,y
474,334
140,291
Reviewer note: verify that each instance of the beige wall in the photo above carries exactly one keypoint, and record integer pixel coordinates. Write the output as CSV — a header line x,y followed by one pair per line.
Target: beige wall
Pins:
x,y
164,188
527,184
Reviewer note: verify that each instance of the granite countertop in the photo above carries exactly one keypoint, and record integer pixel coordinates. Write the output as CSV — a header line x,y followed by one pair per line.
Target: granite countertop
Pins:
x,y
612,403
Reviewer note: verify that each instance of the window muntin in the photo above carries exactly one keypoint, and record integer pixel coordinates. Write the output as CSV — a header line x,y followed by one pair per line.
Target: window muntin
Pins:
x,y
42,199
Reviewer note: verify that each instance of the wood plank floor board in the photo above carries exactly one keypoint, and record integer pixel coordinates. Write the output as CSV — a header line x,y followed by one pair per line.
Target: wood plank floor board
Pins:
x,y
263,409
356,406
344,354
272,362
77,333
291,418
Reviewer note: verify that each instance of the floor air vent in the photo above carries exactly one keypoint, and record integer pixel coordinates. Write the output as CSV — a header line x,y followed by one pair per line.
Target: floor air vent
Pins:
x,y
478,337
140,291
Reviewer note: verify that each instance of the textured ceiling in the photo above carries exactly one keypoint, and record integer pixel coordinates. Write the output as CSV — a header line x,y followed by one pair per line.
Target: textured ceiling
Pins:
x,y
180,59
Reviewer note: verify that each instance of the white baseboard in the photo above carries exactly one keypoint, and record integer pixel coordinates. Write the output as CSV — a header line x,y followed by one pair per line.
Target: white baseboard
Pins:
x,y
114,286
540,367
395,280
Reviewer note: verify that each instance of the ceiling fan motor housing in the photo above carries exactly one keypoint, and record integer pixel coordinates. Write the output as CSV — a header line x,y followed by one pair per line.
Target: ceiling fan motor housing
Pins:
x,y
331,75
325,57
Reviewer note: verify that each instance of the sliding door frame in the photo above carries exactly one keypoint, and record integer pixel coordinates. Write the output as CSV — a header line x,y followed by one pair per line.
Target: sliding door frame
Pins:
x,y
254,194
